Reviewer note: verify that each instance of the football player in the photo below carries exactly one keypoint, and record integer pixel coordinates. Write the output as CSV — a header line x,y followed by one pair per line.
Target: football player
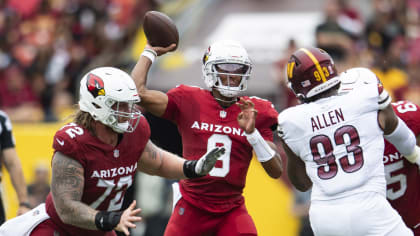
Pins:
x,y
95,159
208,118
335,145
402,176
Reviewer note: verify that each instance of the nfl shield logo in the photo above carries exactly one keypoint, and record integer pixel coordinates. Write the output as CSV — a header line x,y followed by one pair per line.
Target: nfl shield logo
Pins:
x,y
116,153
223,114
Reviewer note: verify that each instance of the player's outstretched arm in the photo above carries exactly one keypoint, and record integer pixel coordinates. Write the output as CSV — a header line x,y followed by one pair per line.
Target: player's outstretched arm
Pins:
x,y
152,100
266,151
67,189
156,161
397,133
296,170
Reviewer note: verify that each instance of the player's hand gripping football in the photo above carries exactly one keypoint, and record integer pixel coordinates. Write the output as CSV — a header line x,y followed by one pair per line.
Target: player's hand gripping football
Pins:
x,y
161,50
128,218
206,163
248,115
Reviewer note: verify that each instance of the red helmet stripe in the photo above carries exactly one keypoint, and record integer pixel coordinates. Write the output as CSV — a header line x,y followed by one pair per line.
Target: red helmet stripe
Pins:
x,y
316,62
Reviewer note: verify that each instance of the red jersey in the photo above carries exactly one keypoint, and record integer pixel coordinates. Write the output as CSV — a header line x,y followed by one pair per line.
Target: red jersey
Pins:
x,y
108,170
203,124
402,177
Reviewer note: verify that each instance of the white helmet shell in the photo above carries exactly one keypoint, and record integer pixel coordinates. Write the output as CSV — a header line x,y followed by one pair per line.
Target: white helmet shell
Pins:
x,y
103,90
225,52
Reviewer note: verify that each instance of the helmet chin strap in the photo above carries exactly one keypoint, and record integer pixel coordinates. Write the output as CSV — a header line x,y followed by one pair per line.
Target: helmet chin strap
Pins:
x,y
220,98
226,101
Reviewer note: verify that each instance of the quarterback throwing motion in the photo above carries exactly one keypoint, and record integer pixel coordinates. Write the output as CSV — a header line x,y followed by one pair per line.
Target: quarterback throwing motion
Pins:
x,y
206,119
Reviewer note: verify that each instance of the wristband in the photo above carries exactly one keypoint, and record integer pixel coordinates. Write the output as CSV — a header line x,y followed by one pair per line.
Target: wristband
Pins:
x,y
263,151
189,169
25,204
149,53
107,220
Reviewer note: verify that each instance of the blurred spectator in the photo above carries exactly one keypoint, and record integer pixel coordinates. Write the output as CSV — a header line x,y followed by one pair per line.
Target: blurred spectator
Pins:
x,y
389,69
40,187
284,97
301,205
337,33
385,25
49,43
17,97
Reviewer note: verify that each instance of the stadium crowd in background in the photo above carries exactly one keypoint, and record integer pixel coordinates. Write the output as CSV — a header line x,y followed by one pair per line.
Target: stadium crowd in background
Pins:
x,y
45,45
386,40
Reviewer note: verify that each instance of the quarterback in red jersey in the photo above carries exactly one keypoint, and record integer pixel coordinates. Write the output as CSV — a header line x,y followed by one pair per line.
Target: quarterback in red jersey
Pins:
x,y
403,177
214,205
95,159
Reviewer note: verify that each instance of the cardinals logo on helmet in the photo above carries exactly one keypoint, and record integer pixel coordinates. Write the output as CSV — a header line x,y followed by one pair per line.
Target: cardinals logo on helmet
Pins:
x,y
95,85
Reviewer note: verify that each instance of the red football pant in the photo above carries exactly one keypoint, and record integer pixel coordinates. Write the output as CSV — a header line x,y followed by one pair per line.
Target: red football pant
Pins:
x,y
46,228
188,220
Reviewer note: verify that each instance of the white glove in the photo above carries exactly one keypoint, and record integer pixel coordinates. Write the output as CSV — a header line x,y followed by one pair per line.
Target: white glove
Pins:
x,y
202,166
206,163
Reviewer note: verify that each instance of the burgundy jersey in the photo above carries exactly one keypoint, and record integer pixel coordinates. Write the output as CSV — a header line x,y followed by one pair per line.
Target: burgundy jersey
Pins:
x,y
203,125
108,170
402,177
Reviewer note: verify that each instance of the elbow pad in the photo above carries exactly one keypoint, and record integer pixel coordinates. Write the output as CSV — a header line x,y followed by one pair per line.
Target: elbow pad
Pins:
x,y
404,141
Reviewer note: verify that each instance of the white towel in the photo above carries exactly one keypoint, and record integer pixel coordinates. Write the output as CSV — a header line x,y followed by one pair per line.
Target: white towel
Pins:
x,y
24,224
176,195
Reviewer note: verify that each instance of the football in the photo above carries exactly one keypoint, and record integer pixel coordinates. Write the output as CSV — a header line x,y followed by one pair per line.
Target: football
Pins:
x,y
159,29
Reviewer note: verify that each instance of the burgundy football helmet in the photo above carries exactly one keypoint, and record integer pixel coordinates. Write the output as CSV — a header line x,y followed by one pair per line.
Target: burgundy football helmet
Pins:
x,y
311,71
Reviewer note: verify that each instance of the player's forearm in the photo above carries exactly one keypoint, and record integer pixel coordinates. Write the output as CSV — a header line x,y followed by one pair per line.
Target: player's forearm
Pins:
x,y
76,213
156,161
140,71
172,166
301,183
274,167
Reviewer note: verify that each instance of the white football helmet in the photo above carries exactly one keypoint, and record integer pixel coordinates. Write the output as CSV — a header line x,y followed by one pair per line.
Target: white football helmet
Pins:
x,y
109,95
231,58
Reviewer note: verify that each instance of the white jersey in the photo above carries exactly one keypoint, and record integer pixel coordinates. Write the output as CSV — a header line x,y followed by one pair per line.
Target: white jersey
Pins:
x,y
340,141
